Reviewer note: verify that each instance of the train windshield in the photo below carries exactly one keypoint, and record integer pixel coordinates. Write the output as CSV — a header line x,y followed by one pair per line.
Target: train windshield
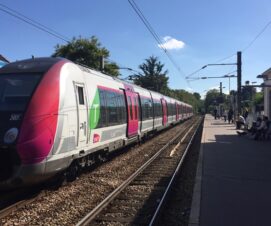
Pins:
x,y
16,91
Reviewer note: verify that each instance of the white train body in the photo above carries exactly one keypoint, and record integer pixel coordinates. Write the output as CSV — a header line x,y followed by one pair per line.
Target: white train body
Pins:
x,y
71,114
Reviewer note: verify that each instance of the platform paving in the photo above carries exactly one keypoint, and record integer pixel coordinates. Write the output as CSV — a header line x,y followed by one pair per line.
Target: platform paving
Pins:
x,y
233,183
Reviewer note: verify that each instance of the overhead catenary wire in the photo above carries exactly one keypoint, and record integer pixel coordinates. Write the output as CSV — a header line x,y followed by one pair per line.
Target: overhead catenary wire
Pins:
x,y
154,34
257,36
234,54
38,25
32,22
250,44
35,24
218,61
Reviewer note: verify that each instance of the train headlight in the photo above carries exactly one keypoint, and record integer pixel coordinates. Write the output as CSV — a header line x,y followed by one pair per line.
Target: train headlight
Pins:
x,y
11,135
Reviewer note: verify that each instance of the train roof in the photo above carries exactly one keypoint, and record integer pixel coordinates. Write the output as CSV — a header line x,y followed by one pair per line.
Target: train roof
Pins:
x,y
33,65
86,69
43,64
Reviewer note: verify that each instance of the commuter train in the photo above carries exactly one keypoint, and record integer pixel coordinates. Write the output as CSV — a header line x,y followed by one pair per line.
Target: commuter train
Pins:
x,y
57,116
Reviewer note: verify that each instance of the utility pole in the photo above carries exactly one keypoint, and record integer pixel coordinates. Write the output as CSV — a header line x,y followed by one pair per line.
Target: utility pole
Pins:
x,y
239,80
102,63
220,88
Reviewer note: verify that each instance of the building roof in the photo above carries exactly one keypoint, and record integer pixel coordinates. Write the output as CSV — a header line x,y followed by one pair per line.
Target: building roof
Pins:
x,y
267,73
2,58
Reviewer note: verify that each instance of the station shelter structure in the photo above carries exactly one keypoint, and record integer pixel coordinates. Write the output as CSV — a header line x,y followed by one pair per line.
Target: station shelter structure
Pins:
x,y
266,75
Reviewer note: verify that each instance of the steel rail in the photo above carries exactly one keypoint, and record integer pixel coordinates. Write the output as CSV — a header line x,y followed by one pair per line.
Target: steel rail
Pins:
x,y
91,215
163,199
6,211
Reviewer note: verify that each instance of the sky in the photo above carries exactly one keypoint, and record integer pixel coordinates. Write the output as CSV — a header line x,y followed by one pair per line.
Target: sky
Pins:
x,y
195,33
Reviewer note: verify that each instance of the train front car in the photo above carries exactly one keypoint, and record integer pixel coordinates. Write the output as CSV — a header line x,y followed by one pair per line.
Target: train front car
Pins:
x,y
29,101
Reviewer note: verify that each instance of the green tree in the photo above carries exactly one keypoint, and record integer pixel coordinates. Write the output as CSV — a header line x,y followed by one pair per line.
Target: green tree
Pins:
x,y
211,99
197,96
187,97
87,52
152,76
259,98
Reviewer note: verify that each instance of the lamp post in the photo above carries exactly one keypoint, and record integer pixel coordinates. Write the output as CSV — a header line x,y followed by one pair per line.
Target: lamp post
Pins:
x,y
224,76
129,77
239,77
217,65
230,76
126,68
239,80
221,87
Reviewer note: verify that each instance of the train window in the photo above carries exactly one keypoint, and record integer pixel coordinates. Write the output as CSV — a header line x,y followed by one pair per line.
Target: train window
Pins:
x,y
150,108
80,95
157,109
169,109
111,100
147,108
139,107
160,108
130,107
103,110
122,109
174,106
16,90
119,109
136,108
144,109
112,109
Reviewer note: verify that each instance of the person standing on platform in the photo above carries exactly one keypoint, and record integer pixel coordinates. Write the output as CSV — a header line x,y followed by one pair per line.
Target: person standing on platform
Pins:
x,y
225,115
230,115
215,113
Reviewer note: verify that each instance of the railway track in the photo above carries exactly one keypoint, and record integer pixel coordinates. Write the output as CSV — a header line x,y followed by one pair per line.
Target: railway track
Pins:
x,y
8,210
68,204
13,200
138,200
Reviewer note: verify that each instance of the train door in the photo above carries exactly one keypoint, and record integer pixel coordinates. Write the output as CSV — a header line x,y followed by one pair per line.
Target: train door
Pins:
x,y
81,114
132,109
153,111
182,112
177,111
164,107
139,112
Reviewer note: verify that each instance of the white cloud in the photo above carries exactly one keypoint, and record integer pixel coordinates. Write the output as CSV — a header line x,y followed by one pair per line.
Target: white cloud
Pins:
x,y
188,89
213,87
172,43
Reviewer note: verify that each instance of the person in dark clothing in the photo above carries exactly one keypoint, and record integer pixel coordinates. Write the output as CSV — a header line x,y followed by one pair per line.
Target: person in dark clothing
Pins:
x,y
225,116
230,115
215,113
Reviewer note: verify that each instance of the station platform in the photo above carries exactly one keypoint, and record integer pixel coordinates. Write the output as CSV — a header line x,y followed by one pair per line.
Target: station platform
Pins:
x,y
233,182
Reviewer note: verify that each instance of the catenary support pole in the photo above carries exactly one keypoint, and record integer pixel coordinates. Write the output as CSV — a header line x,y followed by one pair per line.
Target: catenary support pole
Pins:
x,y
239,80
